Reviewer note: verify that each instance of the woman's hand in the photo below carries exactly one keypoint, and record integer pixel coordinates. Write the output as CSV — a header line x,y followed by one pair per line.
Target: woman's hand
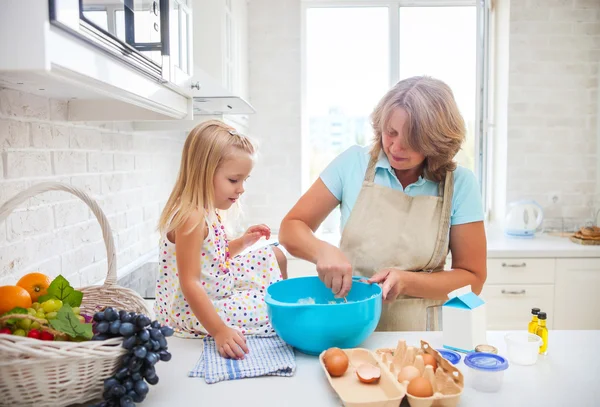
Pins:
x,y
231,343
254,233
334,270
392,283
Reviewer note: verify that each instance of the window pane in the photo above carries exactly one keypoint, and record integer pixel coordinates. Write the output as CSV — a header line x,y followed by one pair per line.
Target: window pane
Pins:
x,y
347,74
441,42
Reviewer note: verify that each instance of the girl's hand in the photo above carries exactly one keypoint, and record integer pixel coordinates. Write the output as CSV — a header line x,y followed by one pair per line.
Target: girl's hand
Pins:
x,y
254,233
231,343
334,270
392,286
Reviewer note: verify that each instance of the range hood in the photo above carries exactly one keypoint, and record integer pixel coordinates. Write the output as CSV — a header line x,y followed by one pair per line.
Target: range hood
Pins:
x,y
210,98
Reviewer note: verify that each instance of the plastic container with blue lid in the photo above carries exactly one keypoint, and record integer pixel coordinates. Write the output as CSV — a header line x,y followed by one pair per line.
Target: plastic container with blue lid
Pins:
x,y
450,356
486,371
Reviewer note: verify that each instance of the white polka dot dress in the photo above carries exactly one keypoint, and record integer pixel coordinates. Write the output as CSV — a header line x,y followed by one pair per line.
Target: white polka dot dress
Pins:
x,y
236,286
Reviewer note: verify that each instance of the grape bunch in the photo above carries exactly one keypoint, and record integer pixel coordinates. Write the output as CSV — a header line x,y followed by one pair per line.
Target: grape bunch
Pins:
x,y
146,344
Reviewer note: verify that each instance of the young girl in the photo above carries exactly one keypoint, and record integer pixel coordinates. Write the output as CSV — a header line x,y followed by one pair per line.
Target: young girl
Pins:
x,y
203,288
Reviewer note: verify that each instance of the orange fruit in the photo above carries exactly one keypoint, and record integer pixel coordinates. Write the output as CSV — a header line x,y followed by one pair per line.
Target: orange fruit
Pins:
x,y
12,296
36,284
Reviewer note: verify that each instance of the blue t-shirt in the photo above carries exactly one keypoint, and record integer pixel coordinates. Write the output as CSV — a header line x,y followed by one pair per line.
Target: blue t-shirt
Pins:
x,y
345,174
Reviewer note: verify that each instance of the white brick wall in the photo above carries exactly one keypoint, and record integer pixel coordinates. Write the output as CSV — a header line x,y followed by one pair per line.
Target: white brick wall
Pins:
x,y
129,174
274,82
552,103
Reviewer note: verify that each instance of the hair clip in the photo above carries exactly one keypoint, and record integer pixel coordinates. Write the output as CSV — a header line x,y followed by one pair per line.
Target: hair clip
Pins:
x,y
233,133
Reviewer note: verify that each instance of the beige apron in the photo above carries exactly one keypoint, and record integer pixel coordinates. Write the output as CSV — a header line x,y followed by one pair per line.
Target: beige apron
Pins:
x,y
389,229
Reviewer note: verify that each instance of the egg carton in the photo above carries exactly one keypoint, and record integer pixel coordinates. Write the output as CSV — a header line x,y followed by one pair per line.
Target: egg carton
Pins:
x,y
447,381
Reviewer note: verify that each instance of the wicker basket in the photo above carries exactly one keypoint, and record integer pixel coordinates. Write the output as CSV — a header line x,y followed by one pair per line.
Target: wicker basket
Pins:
x,y
54,373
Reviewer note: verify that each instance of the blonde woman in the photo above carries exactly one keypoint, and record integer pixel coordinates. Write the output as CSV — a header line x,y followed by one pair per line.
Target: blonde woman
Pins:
x,y
203,288
404,203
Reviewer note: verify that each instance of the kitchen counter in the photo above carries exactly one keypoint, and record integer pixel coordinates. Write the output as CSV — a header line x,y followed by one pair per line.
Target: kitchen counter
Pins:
x,y
565,377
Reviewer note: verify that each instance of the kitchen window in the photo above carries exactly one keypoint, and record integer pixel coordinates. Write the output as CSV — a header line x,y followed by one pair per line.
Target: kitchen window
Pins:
x,y
354,51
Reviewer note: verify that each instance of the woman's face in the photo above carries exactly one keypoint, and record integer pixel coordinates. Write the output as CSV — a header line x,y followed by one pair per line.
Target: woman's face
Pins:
x,y
399,154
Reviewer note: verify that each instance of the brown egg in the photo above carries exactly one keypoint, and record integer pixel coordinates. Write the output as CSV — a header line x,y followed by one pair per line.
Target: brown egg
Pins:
x,y
368,373
337,364
420,387
332,351
430,360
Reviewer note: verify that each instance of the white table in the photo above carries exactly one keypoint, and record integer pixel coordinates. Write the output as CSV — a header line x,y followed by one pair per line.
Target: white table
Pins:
x,y
567,376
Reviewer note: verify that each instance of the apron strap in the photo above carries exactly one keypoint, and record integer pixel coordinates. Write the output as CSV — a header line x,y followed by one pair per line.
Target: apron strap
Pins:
x,y
370,174
441,244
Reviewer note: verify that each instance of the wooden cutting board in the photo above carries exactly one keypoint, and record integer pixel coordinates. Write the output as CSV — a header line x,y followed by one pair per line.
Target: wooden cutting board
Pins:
x,y
585,242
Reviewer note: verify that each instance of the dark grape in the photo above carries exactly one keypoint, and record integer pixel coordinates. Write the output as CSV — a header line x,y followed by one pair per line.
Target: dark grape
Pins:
x,y
164,355
99,316
166,331
122,373
155,324
127,329
142,321
126,360
127,402
130,342
101,337
140,352
117,391
114,327
152,380
122,313
162,341
155,345
136,397
110,314
110,383
127,318
136,376
141,388
152,358
144,335
102,327
149,372
128,383
136,364
148,345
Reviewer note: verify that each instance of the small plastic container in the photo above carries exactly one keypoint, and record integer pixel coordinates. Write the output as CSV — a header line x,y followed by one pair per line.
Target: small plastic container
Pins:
x,y
450,356
486,371
523,347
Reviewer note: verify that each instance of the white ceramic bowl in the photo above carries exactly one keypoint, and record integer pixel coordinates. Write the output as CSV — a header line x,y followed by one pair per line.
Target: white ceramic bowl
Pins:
x,y
523,347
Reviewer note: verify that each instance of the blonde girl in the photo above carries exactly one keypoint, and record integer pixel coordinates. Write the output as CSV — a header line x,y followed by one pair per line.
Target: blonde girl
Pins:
x,y
205,287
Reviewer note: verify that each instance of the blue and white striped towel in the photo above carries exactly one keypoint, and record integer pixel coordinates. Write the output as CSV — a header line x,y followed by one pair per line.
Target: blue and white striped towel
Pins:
x,y
268,356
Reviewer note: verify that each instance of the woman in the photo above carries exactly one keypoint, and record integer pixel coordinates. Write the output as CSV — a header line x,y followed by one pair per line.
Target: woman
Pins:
x,y
404,203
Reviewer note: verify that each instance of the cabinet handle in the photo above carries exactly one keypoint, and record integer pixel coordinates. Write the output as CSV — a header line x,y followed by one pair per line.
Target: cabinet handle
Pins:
x,y
514,265
511,292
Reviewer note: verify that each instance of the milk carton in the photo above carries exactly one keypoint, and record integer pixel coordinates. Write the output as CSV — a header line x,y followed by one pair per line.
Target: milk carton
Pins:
x,y
463,320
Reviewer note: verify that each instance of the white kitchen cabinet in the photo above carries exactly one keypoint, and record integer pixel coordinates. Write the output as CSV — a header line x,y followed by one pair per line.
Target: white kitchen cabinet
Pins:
x,y
577,294
60,58
514,286
220,42
509,305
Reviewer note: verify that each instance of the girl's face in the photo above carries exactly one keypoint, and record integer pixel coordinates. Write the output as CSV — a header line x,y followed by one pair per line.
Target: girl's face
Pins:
x,y
393,139
230,177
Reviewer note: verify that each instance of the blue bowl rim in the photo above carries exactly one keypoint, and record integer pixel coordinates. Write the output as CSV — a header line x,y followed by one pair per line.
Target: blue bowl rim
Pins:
x,y
355,279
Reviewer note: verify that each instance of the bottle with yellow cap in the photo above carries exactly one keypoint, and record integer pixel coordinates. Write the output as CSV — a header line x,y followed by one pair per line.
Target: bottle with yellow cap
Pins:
x,y
533,324
542,332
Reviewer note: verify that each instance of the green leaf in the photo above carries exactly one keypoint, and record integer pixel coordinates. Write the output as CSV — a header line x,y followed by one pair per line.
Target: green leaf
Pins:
x,y
61,289
68,323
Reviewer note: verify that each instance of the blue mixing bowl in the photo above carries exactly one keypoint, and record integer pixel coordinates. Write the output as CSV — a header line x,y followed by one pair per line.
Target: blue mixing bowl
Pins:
x,y
313,328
